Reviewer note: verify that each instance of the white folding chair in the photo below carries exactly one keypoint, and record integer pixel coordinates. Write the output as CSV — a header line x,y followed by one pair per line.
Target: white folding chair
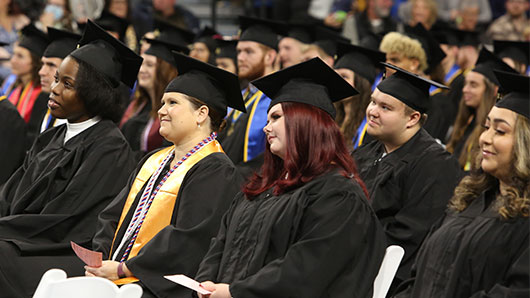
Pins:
x,y
54,284
387,271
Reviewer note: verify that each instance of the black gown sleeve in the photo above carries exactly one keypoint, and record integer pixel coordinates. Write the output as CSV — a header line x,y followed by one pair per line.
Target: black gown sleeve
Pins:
x,y
45,222
517,284
336,229
209,267
12,140
205,194
426,192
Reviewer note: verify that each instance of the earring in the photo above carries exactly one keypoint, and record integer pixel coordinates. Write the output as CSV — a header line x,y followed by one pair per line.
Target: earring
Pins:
x,y
198,124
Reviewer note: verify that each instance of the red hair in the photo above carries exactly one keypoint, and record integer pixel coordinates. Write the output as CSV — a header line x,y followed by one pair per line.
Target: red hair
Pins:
x,y
314,147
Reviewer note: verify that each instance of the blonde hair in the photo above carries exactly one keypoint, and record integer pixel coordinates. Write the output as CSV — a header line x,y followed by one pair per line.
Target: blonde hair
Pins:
x,y
395,42
516,200
308,47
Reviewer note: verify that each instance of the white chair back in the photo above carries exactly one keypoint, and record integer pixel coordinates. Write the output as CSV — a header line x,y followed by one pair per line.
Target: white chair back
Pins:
x,y
387,271
54,284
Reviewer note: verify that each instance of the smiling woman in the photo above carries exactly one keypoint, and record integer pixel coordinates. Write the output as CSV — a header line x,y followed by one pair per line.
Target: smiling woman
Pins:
x,y
71,172
146,233
480,248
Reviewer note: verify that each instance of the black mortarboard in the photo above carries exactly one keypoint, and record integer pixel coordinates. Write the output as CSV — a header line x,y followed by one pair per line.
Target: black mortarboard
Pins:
x,y
410,88
444,34
33,39
304,33
311,82
216,87
432,49
108,55
516,50
173,34
206,36
113,23
162,49
226,49
362,61
467,38
487,62
327,40
517,89
61,44
264,31
371,41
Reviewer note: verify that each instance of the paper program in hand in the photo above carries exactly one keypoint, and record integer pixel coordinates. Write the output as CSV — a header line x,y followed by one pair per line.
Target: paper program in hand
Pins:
x,y
89,257
187,282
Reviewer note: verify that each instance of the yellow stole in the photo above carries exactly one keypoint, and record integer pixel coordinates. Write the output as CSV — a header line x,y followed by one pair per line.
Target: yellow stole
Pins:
x,y
161,210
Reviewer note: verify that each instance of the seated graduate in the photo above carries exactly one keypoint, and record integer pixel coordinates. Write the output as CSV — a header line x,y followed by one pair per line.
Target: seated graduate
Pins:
x,y
409,176
72,171
480,249
302,227
163,221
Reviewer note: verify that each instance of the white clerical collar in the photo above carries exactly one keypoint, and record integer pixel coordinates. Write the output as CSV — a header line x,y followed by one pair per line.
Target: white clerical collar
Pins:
x,y
73,129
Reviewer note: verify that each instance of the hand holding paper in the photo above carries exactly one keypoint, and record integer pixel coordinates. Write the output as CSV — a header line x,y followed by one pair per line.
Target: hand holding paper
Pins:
x,y
187,282
89,257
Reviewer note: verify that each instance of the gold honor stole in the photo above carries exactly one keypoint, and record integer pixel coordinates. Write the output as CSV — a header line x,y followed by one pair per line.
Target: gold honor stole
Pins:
x,y
161,210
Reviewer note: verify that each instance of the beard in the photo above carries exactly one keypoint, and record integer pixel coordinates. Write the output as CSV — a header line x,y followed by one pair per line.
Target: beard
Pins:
x,y
252,72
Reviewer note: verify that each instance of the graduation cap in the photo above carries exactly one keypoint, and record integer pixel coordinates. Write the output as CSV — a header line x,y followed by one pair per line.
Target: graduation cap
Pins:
x,y
263,31
444,34
33,39
162,49
304,33
430,45
311,82
216,87
362,61
516,50
108,55
371,40
410,88
466,38
517,88
173,34
206,36
487,62
226,49
327,40
61,44
113,23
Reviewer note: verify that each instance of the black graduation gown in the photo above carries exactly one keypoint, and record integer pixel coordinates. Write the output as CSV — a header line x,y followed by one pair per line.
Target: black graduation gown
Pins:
x,y
40,107
55,197
205,194
409,189
12,140
476,254
319,240
133,128
443,110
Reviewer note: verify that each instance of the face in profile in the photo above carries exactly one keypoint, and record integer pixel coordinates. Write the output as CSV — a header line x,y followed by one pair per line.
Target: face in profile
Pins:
x,y
386,116
290,52
177,117
47,72
147,73
497,142
474,88
21,63
63,102
399,60
250,60
275,131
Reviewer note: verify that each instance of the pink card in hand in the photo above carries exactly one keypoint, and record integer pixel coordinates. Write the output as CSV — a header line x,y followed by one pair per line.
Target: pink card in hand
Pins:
x,y
90,257
187,282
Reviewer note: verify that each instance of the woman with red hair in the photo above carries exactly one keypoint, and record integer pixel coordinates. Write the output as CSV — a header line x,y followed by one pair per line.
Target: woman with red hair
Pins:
x,y
302,227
